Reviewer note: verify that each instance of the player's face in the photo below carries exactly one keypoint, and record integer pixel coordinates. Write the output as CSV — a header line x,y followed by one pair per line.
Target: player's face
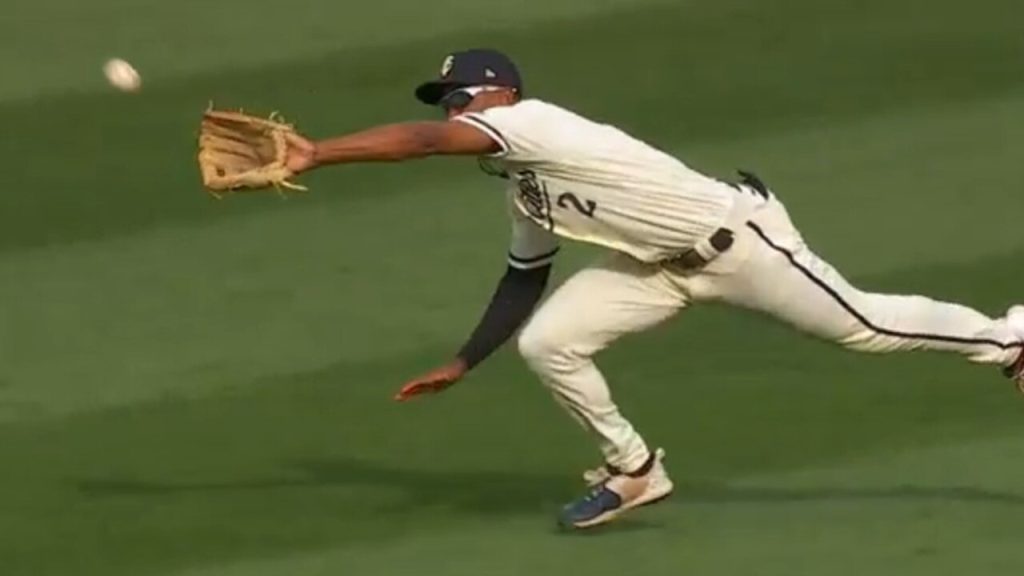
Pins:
x,y
474,99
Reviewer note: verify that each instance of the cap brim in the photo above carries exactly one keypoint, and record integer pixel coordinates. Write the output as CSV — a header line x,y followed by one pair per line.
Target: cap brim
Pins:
x,y
432,92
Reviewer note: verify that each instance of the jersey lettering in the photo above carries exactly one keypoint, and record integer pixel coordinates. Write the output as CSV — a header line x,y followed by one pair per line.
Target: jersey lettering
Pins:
x,y
586,208
534,198
536,201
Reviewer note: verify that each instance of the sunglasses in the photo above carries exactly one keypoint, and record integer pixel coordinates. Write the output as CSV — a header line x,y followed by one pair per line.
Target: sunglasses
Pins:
x,y
461,97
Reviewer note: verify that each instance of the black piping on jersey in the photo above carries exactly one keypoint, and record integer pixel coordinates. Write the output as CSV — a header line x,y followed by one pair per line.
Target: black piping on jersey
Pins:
x,y
528,262
488,129
863,319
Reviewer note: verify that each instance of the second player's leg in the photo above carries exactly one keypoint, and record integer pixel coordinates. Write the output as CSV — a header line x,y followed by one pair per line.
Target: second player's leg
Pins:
x,y
582,317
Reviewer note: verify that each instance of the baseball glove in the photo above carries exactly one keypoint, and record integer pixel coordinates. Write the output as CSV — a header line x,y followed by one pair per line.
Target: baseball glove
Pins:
x,y
242,152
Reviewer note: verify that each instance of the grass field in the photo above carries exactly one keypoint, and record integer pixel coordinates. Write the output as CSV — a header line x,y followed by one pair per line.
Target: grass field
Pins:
x,y
194,387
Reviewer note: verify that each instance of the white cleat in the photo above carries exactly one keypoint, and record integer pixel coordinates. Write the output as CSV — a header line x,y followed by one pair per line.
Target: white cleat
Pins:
x,y
1015,371
602,474
618,494
1015,318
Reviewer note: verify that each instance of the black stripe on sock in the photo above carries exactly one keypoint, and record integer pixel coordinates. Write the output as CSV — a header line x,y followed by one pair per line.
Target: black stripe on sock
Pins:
x,y
861,318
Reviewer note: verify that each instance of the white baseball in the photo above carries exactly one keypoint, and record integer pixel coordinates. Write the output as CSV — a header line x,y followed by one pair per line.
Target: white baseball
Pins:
x,y
122,75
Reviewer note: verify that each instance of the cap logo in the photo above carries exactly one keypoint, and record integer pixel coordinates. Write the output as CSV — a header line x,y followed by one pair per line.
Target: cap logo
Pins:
x,y
488,73
447,65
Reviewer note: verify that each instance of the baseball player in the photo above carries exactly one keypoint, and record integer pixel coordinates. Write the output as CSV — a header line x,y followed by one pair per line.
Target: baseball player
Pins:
x,y
674,237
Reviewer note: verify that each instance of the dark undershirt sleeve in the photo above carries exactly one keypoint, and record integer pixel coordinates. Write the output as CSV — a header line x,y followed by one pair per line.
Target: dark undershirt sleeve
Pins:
x,y
515,298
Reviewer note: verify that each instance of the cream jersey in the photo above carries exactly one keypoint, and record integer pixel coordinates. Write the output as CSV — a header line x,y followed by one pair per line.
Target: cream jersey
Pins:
x,y
578,179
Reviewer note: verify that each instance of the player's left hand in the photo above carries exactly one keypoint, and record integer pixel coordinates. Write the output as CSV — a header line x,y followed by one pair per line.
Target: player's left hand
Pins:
x,y
433,381
301,155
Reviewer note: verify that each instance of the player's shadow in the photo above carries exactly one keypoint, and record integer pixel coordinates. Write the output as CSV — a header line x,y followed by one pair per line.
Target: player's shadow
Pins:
x,y
512,492
479,491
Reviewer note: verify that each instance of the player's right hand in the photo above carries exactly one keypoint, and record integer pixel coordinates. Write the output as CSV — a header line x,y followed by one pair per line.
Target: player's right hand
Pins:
x,y
433,381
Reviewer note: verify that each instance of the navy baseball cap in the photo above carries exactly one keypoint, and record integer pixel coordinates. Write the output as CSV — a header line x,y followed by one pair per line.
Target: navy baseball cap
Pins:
x,y
471,68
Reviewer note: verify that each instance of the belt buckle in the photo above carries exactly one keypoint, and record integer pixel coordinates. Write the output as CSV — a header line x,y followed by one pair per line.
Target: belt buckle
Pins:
x,y
722,240
718,244
689,260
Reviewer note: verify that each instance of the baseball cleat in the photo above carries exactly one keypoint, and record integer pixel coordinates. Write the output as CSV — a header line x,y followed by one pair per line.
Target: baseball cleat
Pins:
x,y
618,494
1015,371
602,474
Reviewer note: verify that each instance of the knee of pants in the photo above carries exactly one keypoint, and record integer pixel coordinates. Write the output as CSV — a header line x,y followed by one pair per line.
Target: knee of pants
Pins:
x,y
547,351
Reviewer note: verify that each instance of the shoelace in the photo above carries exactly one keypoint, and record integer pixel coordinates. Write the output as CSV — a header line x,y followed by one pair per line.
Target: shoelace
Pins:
x,y
594,493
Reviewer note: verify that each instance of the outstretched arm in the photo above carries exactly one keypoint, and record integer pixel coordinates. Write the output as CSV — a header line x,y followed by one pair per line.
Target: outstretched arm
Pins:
x,y
391,143
513,301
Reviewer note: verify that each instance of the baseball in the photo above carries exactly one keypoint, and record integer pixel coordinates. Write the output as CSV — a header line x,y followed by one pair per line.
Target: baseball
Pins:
x,y
122,75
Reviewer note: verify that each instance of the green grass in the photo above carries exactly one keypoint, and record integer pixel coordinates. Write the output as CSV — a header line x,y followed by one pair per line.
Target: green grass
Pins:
x,y
197,387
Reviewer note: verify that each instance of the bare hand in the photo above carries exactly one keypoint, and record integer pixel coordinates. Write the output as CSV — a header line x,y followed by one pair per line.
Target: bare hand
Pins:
x,y
301,154
434,381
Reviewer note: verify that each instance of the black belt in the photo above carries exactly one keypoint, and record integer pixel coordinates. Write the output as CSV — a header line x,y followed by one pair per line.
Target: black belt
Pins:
x,y
721,241
723,238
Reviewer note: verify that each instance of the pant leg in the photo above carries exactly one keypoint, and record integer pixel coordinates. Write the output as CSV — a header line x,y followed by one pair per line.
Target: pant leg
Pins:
x,y
592,309
784,278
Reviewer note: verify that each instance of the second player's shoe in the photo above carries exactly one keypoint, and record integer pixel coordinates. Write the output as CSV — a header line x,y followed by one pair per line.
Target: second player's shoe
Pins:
x,y
617,494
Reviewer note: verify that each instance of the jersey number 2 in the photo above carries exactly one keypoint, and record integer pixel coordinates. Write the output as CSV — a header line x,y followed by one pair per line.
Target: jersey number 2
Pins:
x,y
586,208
